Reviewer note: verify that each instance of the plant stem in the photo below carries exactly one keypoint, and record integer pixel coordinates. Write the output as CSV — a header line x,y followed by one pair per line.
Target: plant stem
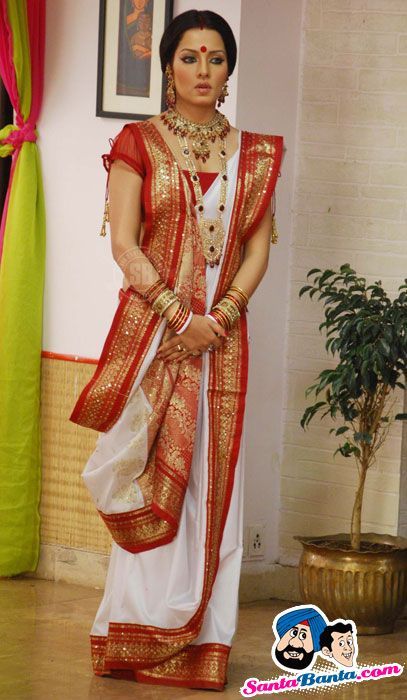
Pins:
x,y
370,415
357,509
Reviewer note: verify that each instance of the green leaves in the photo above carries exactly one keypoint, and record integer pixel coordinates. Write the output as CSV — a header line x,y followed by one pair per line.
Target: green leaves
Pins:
x,y
367,332
364,327
363,437
339,431
347,450
310,412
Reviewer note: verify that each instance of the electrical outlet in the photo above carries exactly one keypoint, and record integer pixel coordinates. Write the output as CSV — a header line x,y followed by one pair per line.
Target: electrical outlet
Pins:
x,y
255,545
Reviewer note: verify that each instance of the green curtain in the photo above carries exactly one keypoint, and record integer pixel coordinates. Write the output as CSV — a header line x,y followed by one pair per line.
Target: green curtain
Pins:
x,y
22,273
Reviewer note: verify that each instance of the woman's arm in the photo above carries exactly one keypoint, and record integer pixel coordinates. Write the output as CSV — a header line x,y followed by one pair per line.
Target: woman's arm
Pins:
x,y
255,257
125,223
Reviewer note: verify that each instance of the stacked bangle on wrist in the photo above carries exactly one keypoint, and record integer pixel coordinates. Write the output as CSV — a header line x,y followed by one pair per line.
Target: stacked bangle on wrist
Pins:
x,y
244,299
161,298
229,308
154,290
181,319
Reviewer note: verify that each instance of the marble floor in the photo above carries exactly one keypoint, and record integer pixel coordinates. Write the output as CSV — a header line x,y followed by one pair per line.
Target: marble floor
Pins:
x,y
44,650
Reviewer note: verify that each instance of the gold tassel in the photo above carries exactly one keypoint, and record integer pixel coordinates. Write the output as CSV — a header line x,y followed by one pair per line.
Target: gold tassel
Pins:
x,y
274,232
105,218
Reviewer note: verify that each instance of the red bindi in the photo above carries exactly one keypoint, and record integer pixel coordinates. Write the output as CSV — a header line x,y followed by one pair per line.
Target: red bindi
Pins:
x,y
203,49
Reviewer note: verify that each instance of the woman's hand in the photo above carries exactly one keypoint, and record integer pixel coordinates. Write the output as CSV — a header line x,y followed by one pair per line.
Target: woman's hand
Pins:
x,y
201,333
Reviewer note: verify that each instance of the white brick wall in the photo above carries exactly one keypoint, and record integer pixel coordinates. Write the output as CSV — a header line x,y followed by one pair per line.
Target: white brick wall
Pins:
x,y
349,205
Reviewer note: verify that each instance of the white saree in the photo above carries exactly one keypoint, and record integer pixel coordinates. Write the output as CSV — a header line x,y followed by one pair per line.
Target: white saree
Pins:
x,y
163,586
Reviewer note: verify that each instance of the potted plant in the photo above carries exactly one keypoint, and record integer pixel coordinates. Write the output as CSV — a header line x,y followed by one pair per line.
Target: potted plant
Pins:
x,y
358,576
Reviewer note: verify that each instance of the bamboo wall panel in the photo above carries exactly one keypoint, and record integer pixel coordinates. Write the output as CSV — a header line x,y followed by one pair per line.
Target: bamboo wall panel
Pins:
x,y
68,515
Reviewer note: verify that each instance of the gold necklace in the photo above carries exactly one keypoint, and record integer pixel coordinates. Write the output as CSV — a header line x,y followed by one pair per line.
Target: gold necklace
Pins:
x,y
212,230
200,134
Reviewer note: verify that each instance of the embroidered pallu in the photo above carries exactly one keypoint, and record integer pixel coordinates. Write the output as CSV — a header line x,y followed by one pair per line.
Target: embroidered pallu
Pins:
x,y
173,387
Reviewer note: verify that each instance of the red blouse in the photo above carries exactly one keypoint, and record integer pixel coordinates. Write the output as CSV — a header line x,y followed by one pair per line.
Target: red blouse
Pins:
x,y
124,147
205,179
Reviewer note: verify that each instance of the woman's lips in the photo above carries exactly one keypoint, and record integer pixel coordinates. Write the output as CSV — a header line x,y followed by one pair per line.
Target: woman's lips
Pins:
x,y
203,90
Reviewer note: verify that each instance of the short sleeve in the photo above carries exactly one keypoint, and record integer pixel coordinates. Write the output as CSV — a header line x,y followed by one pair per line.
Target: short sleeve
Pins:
x,y
124,147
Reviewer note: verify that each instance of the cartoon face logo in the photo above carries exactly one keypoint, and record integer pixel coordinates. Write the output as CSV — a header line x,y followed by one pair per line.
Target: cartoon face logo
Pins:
x,y
295,648
338,642
297,632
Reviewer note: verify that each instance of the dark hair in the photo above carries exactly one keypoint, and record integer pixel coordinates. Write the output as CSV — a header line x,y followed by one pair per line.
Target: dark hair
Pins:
x,y
193,19
326,637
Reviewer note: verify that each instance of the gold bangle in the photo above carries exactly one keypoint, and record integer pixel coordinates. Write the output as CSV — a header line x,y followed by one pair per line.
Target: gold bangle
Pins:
x,y
165,299
242,292
242,299
229,309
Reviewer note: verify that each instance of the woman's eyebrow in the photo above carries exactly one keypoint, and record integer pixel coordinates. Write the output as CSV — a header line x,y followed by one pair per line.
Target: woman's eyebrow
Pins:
x,y
195,51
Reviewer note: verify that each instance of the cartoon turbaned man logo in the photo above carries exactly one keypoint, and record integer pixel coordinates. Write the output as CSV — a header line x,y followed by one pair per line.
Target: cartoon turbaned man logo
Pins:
x,y
297,632
339,642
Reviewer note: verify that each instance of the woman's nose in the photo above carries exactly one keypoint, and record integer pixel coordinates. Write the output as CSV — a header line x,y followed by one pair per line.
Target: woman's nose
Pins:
x,y
203,69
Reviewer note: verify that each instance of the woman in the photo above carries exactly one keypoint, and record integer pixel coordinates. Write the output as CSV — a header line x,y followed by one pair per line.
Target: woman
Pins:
x,y
190,219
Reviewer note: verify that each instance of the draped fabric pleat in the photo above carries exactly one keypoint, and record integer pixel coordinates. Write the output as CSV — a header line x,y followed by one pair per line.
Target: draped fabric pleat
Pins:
x,y
22,272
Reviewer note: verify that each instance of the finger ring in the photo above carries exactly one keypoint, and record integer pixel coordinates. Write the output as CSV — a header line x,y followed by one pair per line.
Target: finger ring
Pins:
x,y
179,347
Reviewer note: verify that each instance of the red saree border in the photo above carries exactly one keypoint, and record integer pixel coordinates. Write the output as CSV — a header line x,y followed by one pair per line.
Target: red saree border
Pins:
x,y
112,399
104,397
196,666
275,144
146,147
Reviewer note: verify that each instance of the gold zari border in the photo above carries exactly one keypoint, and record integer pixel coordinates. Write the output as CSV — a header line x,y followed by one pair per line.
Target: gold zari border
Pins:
x,y
195,666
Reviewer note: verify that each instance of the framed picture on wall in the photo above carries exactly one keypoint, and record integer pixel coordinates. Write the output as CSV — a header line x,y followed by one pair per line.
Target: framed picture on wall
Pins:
x,y
130,83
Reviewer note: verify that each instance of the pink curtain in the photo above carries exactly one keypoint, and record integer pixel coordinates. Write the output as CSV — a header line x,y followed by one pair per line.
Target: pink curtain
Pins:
x,y
35,13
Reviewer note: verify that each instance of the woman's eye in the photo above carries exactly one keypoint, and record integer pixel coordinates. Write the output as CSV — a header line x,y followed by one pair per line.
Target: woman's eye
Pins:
x,y
191,59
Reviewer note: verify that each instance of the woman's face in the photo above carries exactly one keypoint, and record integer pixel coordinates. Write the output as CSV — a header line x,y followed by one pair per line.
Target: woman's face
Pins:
x,y
192,65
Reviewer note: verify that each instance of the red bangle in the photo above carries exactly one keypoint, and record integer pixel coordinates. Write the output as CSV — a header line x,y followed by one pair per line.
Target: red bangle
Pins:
x,y
179,318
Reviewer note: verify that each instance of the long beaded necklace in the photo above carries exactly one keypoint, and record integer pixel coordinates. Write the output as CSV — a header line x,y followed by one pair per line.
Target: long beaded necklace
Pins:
x,y
212,230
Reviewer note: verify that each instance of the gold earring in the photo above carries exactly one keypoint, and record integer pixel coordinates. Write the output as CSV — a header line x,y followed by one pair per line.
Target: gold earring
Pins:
x,y
224,93
170,92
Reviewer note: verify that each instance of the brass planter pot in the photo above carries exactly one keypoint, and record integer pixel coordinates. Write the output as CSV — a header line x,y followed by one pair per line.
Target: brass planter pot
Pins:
x,y
369,587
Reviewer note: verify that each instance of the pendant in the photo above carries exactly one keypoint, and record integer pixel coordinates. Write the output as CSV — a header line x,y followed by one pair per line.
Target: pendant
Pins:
x,y
213,235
